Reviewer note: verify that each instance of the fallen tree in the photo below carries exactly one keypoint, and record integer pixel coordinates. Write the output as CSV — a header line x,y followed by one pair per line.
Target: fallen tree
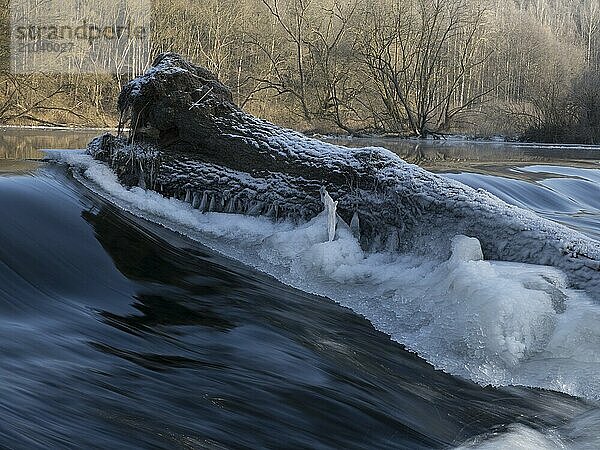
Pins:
x,y
187,139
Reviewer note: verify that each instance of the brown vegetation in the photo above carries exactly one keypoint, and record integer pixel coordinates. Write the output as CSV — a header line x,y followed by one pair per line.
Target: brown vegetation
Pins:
x,y
525,68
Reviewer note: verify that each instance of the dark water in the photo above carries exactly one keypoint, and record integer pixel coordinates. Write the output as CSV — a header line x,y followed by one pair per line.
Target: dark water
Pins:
x,y
19,144
480,156
117,333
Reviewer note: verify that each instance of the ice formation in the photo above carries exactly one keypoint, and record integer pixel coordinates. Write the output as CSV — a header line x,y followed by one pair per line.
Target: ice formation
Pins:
x,y
331,211
495,322
476,286
220,159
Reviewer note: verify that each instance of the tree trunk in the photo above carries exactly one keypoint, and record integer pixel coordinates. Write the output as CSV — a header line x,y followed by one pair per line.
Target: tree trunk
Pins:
x,y
190,141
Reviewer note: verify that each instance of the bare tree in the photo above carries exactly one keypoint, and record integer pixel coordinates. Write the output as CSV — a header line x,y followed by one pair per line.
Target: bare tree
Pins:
x,y
291,19
416,67
589,20
420,58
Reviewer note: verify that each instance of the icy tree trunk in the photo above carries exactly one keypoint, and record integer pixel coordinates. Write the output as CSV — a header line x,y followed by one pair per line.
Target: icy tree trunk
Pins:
x,y
188,140
211,152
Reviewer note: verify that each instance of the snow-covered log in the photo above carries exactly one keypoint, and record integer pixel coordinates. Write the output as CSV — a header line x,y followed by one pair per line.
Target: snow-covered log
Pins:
x,y
189,140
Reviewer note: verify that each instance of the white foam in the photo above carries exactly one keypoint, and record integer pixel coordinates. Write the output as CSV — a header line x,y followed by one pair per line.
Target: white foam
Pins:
x,y
496,323
579,433
518,437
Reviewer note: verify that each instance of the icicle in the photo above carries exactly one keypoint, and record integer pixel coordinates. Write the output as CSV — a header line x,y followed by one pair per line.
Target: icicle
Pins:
x,y
255,208
212,204
330,208
376,243
204,202
196,200
393,241
142,181
235,205
240,206
246,205
270,211
355,225
230,206
188,196
225,200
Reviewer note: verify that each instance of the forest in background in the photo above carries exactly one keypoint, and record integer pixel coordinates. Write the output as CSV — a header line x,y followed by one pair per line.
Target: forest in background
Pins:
x,y
528,69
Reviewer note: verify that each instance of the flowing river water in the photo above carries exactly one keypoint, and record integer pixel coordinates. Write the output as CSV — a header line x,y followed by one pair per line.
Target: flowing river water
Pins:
x,y
118,332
